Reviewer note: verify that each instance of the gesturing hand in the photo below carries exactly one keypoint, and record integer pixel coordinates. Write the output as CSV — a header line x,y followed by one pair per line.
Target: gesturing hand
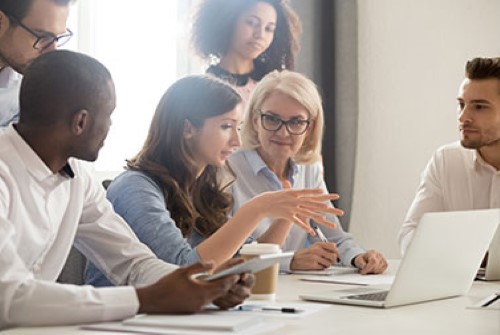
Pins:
x,y
298,206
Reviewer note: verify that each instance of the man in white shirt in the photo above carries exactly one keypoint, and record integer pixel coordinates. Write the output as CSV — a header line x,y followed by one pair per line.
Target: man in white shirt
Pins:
x,y
465,175
28,28
48,200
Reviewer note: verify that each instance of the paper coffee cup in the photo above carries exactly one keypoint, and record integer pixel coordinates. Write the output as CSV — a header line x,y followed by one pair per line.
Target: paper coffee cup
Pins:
x,y
265,280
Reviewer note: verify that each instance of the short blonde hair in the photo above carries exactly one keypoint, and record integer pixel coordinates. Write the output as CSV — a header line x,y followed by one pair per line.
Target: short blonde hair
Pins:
x,y
299,88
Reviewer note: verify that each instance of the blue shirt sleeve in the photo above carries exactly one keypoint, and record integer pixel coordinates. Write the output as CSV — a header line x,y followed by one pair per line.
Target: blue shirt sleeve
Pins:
x,y
140,201
348,249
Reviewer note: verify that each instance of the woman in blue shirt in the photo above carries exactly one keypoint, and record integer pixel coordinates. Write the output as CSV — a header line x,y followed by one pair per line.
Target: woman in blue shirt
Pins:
x,y
172,194
282,134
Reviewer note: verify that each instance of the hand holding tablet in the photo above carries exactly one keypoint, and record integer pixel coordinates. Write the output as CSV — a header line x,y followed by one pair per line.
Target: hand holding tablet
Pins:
x,y
253,265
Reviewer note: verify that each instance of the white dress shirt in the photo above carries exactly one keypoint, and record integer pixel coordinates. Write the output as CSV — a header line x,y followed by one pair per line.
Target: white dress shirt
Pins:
x,y
41,214
10,84
455,179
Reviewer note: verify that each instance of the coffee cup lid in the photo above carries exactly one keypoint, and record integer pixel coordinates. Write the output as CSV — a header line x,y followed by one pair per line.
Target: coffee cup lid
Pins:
x,y
260,249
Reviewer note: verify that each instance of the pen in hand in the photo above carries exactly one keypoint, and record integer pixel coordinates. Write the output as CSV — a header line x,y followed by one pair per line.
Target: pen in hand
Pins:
x,y
322,237
320,234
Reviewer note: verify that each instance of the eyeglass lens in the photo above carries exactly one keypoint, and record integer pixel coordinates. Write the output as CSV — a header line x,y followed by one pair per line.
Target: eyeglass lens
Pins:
x,y
294,126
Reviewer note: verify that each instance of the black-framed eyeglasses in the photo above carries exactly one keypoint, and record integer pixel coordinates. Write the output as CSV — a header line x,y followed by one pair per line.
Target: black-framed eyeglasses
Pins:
x,y
43,41
294,126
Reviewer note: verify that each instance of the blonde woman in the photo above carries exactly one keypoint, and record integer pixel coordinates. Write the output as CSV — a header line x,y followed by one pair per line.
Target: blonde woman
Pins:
x,y
282,134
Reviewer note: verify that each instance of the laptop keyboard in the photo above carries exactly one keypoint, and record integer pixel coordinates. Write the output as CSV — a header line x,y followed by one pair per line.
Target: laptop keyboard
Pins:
x,y
379,296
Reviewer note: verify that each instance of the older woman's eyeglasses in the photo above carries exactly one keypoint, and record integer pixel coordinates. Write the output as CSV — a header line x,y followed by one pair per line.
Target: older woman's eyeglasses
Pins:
x,y
43,41
294,126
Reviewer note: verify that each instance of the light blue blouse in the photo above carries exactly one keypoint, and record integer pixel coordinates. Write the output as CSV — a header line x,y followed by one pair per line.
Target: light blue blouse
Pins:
x,y
253,177
140,201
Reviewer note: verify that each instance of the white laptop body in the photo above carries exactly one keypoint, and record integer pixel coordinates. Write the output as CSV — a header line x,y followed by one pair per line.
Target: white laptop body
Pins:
x,y
492,270
440,262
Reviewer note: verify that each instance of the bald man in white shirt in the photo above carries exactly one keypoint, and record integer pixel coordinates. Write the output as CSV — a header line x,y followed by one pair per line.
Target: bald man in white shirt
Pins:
x,y
465,175
48,200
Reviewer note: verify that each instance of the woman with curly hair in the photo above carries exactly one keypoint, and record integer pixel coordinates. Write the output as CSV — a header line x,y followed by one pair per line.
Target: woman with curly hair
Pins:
x,y
172,193
243,40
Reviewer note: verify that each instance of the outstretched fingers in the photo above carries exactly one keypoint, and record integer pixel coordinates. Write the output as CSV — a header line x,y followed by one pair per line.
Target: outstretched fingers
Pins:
x,y
301,221
321,207
317,217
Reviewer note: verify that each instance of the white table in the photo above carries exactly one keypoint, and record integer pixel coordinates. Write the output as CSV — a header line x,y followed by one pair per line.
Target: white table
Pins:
x,y
448,316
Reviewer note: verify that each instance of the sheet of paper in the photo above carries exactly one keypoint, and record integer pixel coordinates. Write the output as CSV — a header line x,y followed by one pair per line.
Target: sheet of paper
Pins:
x,y
354,279
206,320
331,271
259,328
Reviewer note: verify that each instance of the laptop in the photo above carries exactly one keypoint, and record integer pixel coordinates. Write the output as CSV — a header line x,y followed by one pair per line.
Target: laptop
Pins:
x,y
440,262
492,269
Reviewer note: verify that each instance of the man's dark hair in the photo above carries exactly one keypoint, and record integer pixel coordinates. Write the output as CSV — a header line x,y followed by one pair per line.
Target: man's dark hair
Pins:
x,y
60,83
483,68
20,8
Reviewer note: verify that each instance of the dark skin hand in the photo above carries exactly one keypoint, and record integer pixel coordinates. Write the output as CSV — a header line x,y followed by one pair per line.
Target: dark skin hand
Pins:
x,y
180,292
240,291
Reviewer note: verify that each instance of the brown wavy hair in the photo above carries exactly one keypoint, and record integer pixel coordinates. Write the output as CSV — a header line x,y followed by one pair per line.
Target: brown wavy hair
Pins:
x,y
214,21
199,204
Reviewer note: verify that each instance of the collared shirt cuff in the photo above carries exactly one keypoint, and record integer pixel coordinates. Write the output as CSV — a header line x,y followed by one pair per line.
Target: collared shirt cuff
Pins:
x,y
120,302
350,255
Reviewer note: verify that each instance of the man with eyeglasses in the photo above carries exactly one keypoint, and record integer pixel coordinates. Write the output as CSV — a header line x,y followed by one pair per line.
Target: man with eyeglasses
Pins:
x,y
28,28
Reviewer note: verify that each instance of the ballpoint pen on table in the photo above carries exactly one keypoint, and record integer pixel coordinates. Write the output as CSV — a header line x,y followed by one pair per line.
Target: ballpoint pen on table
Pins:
x,y
268,308
492,300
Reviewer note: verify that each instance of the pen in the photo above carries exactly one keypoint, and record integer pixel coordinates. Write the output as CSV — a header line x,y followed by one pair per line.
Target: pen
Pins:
x,y
492,300
322,237
269,308
320,234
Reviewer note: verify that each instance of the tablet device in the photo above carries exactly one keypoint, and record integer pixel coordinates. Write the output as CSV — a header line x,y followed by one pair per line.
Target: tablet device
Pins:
x,y
253,265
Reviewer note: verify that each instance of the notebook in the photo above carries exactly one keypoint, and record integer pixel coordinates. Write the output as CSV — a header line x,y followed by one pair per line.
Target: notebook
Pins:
x,y
441,262
207,320
492,270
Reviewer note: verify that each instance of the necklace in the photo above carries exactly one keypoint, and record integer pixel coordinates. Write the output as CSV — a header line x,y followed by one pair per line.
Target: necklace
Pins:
x,y
233,78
